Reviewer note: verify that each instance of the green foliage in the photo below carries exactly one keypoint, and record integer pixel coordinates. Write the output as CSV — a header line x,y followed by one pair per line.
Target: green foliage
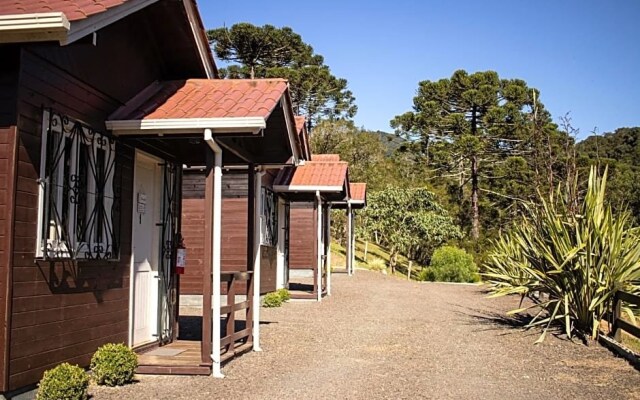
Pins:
x,y
465,128
450,264
284,294
114,364
275,299
271,52
64,382
408,221
376,264
620,150
576,259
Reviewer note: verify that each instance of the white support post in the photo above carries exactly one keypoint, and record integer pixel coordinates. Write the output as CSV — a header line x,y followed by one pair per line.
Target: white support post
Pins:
x,y
328,258
280,272
349,243
353,244
319,241
217,225
257,225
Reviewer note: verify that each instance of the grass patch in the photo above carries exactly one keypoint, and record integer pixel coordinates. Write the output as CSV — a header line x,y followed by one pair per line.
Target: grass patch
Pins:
x,y
374,254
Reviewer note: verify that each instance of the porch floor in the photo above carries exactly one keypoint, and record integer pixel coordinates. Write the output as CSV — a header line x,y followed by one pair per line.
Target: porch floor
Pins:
x,y
181,357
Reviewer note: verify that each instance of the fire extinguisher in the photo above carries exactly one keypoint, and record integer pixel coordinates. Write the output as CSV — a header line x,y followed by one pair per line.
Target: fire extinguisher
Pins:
x,y
181,255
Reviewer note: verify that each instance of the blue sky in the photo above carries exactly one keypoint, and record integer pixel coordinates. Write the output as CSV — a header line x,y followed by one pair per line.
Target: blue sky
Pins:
x,y
584,56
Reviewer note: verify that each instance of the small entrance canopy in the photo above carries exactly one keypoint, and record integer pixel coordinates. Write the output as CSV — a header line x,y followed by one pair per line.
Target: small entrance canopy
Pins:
x,y
301,183
217,123
247,117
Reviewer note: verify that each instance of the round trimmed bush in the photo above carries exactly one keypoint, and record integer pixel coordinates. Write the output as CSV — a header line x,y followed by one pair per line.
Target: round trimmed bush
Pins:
x,y
114,364
451,264
65,381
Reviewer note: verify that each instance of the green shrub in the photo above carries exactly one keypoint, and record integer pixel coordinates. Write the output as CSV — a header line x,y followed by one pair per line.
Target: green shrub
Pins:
x,y
578,254
114,364
284,294
275,299
450,264
377,264
66,381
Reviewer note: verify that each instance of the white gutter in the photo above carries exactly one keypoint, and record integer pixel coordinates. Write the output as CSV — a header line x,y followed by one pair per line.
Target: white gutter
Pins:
x,y
186,125
217,213
256,260
319,244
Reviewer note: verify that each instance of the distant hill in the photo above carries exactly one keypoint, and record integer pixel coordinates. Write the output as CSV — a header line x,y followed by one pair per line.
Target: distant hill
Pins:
x,y
623,145
390,141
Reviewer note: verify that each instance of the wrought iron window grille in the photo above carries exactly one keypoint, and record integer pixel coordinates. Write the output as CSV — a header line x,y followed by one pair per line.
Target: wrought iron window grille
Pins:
x,y
80,179
269,218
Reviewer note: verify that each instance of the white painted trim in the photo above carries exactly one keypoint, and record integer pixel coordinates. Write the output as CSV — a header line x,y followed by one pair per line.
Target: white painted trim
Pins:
x,y
319,240
207,60
256,262
291,131
33,27
84,27
186,125
310,189
216,268
41,184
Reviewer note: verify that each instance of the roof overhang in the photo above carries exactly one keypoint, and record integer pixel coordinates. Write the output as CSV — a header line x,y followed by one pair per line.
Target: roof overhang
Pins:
x,y
55,26
307,189
252,125
34,27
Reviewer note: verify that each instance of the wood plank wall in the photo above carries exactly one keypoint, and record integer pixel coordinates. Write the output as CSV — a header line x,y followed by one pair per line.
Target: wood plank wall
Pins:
x,y
234,232
9,72
303,246
61,311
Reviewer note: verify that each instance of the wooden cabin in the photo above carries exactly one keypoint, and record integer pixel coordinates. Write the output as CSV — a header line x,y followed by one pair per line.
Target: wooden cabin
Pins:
x,y
100,108
274,214
310,189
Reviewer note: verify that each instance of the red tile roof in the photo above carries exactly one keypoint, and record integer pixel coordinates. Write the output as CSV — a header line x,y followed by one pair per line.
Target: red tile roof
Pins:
x,y
358,191
314,174
74,10
205,98
325,157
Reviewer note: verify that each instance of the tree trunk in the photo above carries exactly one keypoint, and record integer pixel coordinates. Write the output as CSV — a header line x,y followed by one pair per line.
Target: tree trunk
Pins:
x,y
475,221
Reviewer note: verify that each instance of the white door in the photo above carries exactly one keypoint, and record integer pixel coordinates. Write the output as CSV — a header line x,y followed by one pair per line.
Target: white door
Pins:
x,y
146,213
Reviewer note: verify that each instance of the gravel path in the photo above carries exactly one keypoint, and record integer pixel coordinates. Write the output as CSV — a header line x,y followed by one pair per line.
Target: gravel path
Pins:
x,y
379,337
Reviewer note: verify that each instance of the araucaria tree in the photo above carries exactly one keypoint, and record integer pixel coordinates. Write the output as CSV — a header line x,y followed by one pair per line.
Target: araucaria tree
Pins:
x,y
466,124
271,52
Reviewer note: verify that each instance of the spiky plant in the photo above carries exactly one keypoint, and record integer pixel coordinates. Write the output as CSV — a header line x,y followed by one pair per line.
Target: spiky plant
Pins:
x,y
578,259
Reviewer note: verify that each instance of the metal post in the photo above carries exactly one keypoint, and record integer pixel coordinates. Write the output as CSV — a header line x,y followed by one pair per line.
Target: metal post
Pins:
x,y
256,261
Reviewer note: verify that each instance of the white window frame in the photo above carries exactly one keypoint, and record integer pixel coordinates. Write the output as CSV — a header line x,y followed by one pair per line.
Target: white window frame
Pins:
x,y
54,245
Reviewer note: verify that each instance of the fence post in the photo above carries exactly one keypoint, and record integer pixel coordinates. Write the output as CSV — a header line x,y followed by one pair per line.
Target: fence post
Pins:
x,y
617,313
409,270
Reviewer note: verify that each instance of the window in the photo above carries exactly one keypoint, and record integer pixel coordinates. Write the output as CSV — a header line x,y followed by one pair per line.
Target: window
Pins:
x,y
78,207
269,218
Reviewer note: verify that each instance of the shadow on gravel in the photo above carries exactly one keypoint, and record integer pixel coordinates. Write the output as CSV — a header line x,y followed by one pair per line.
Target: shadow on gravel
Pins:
x,y
517,323
191,327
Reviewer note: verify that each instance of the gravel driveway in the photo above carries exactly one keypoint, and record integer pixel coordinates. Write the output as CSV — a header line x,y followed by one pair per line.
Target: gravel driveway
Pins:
x,y
379,337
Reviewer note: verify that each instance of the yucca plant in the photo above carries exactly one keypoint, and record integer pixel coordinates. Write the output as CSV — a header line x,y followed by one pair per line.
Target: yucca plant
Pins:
x,y
578,259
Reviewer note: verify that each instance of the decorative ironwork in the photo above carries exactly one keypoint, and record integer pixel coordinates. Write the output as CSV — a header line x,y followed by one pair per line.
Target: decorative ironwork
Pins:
x,y
170,239
269,218
80,191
